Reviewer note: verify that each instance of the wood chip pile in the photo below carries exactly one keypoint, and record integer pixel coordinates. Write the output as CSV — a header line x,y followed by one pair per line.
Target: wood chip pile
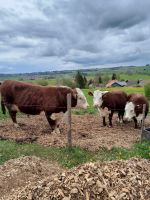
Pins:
x,y
115,180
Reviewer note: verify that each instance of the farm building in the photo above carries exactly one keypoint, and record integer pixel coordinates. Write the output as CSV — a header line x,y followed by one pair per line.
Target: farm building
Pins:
x,y
115,83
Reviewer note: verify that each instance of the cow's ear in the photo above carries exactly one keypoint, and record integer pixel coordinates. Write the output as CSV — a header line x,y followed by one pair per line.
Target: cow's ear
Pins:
x,y
90,93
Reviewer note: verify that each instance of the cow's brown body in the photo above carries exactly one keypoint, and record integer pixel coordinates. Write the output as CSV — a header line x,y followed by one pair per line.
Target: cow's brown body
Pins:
x,y
33,99
138,100
115,101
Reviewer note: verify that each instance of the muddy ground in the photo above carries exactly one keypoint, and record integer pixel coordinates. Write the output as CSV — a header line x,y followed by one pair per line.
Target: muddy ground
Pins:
x,y
86,132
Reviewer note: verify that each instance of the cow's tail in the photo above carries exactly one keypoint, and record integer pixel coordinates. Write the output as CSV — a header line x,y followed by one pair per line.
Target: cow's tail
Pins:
x,y
3,106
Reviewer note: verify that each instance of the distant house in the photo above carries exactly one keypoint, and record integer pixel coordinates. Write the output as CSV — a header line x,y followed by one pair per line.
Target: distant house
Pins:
x,y
115,83
119,84
110,82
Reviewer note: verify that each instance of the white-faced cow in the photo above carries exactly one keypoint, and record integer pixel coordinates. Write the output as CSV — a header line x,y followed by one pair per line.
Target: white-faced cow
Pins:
x,y
108,103
134,108
33,99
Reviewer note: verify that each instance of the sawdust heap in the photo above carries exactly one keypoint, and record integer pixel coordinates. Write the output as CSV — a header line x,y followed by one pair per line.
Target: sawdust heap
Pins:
x,y
15,174
115,180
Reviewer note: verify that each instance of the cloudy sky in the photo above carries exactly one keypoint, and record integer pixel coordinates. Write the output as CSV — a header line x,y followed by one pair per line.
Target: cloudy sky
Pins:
x,y
45,35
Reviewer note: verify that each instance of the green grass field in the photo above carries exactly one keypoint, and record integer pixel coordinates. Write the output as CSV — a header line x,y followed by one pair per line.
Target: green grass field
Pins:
x,y
134,77
71,157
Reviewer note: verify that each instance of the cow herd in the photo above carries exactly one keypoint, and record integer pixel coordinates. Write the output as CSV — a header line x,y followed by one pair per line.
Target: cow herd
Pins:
x,y
33,99
128,107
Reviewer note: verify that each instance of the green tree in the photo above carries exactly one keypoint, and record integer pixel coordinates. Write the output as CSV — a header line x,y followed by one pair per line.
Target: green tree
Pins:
x,y
114,76
79,79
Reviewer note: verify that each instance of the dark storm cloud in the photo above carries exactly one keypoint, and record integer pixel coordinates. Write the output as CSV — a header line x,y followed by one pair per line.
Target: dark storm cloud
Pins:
x,y
73,33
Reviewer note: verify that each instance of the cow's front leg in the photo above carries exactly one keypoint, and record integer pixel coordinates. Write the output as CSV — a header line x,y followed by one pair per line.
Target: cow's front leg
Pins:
x,y
135,122
51,122
120,117
110,119
104,121
13,117
62,118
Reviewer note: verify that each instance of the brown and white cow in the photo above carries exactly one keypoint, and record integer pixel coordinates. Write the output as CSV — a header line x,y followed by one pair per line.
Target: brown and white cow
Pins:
x,y
108,103
33,99
134,108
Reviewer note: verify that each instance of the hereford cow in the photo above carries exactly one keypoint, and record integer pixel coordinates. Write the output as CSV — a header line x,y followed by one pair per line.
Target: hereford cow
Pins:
x,y
33,99
108,103
134,108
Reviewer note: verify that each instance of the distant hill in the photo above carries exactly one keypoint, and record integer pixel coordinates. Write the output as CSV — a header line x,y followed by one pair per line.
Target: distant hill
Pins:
x,y
128,70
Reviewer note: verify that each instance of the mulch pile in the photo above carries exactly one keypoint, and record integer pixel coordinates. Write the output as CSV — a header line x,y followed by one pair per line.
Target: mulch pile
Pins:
x,y
114,180
16,174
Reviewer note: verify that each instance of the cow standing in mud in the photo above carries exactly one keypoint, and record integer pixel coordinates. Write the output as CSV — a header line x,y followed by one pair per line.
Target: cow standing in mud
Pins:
x,y
134,108
33,99
109,102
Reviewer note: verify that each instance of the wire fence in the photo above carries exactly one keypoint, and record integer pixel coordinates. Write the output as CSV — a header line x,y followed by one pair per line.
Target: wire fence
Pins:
x,y
44,108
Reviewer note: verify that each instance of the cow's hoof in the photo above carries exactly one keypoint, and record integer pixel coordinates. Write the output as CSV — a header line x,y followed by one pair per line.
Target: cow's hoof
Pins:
x,y
109,126
56,131
103,125
16,125
137,127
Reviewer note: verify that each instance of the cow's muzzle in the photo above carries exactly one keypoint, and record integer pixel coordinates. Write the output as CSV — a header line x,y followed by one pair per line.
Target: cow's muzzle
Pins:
x,y
127,119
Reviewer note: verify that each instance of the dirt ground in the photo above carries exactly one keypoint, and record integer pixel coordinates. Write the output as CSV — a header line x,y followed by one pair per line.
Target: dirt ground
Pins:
x,y
86,132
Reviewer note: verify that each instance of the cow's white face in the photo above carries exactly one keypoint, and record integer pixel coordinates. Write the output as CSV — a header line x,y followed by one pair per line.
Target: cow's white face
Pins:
x,y
97,98
129,111
81,99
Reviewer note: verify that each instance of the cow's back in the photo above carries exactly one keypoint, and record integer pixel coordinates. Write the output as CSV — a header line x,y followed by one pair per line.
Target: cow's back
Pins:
x,y
27,97
115,100
32,99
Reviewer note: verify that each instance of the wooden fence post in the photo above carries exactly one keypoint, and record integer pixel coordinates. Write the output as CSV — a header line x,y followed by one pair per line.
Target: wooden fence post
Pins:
x,y
143,118
69,135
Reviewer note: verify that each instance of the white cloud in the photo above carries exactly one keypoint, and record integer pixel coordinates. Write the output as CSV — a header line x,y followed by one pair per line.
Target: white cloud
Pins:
x,y
38,35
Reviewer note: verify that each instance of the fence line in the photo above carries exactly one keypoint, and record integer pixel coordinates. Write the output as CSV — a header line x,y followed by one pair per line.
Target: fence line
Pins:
x,y
69,135
61,107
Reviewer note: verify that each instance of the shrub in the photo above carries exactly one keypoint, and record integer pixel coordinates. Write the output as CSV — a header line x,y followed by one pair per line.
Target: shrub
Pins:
x,y
42,82
66,82
147,90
